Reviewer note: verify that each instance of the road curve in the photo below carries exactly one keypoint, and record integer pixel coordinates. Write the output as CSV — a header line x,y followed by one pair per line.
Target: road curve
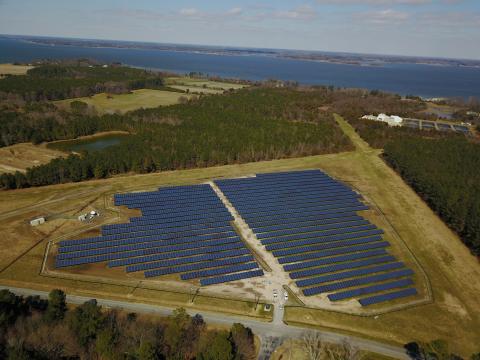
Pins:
x,y
260,328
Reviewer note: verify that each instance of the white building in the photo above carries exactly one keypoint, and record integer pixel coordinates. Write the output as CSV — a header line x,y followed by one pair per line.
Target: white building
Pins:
x,y
392,120
37,221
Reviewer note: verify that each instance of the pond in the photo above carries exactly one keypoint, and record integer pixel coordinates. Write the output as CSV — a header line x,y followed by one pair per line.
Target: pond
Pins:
x,y
89,144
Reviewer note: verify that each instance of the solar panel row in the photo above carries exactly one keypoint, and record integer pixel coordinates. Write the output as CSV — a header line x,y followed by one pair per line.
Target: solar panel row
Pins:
x,y
357,282
159,246
264,230
196,266
324,235
342,266
180,256
349,274
370,289
328,242
152,240
165,228
144,252
219,271
387,297
310,228
333,260
140,264
230,277
147,234
336,251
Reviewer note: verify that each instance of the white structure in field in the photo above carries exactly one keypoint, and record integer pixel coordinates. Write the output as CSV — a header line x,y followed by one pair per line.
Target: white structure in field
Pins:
x,y
37,221
392,120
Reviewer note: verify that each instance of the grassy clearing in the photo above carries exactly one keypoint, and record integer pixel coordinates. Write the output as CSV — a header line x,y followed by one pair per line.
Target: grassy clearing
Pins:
x,y
202,83
19,157
10,69
197,90
452,270
143,98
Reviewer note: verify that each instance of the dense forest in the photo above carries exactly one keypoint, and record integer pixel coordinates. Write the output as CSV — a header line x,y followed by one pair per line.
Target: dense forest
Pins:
x,y
246,125
378,134
446,173
32,328
62,81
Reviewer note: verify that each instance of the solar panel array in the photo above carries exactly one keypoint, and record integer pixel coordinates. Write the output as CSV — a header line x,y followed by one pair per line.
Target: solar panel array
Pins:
x,y
310,223
183,230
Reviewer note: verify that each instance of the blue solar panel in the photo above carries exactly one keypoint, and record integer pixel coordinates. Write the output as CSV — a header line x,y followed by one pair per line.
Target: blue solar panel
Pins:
x,y
196,266
231,277
156,246
370,289
332,245
387,297
348,274
343,266
141,264
325,240
260,230
357,282
219,271
281,241
165,239
310,228
331,260
169,259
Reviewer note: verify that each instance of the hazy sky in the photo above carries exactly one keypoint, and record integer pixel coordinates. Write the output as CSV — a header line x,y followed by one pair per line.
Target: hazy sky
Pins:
x,y
448,28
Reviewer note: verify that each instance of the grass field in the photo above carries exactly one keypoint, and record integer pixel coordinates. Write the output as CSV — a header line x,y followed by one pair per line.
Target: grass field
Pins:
x,y
197,90
143,98
10,69
202,83
454,315
19,157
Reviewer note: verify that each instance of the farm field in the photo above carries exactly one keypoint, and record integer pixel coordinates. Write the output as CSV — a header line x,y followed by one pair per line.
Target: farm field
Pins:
x,y
197,90
447,262
11,69
202,83
19,157
143,98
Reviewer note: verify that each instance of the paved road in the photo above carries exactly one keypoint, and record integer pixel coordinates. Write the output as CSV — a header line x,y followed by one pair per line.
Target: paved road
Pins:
x,y
266,331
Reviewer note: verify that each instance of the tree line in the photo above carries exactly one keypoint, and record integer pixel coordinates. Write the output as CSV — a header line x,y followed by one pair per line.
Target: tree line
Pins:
x,y
446,174
243,126
32,328
62,81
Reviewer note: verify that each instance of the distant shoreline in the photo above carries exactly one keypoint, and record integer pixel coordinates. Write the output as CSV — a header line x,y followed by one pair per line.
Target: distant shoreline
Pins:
x,y
304,55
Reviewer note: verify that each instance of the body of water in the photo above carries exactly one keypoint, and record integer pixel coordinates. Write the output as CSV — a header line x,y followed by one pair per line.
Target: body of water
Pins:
x,y
421,80
90,144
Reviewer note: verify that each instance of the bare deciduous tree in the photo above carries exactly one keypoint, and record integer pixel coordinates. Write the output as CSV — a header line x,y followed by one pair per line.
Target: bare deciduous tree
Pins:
x,y
343,351
313,345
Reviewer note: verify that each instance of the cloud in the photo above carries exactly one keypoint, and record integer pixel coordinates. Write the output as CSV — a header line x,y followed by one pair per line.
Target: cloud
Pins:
x,y
377,2
189,12
452,19
388,16
305,12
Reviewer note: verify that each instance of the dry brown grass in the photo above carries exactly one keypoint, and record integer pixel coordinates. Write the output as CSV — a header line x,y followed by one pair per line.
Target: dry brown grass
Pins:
x,y
19,157
453,271
10,69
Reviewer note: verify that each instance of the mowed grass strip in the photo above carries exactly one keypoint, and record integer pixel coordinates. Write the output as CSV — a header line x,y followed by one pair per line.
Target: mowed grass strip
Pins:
x,y
142,98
